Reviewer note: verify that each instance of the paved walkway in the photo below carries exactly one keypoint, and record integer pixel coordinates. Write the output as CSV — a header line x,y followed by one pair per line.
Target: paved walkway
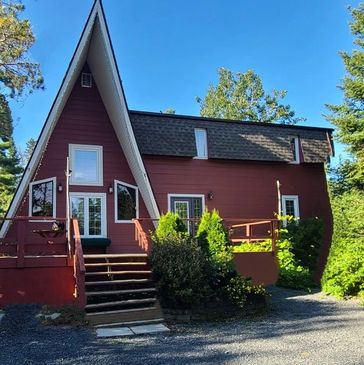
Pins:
x,y
298,329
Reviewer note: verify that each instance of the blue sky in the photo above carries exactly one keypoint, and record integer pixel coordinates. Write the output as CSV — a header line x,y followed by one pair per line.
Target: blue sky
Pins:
x,y
168,51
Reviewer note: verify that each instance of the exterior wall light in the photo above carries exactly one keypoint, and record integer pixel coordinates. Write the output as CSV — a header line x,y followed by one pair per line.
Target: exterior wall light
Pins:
x,y
110,189
210,195
60,187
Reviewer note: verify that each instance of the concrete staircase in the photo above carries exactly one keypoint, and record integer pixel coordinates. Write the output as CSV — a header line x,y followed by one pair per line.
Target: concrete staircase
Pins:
x,y
120,290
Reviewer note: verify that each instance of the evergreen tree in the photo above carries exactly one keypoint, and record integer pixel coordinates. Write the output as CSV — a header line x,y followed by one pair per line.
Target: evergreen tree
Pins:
x,y
18,76
9,160
349,116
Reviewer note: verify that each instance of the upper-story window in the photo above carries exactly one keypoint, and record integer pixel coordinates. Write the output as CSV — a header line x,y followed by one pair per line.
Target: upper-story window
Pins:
x,y
86,165
295,148
42,198
290,206
201,143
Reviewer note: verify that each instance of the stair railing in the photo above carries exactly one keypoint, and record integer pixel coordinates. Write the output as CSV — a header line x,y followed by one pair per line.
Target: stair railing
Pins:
x,y
78,263
140,236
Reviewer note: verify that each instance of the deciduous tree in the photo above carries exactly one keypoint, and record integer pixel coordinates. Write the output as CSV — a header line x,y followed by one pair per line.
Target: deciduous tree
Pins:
x,y
241,96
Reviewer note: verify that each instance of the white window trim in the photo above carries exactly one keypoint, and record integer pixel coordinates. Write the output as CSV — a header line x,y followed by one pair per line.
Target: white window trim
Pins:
x,y
295,204
207,150
54,179
116,182
188,212
173,195
296,159
86,147
103,210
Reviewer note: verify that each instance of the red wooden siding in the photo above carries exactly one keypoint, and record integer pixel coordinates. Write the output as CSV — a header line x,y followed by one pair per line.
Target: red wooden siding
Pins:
x,y
84,120
243,189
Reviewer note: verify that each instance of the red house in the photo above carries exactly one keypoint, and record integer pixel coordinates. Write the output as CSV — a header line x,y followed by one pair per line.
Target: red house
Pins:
x,y
128,167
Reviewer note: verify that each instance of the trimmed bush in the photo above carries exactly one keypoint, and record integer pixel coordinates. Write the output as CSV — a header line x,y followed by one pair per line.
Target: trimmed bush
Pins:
x,y
344,272
179,269
170,225
198,272
213,231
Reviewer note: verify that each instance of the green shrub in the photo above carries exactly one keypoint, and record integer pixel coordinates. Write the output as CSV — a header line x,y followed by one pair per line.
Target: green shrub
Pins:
x,y
264,246
192,272
306,236
291,274
344,272
179,269
170,225
212,230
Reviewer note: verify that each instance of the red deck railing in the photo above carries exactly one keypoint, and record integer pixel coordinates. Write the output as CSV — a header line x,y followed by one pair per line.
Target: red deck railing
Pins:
x,y
33,242
240,230
78,261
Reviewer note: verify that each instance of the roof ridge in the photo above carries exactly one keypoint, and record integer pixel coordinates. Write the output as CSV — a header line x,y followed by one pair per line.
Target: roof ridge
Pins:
x,y
220,120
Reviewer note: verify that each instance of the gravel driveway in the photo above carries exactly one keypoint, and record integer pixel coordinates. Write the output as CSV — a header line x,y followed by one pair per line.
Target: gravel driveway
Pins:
x,y
298,329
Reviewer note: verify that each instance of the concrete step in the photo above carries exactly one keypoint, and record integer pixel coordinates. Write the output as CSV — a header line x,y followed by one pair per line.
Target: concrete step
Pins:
x,y
121,303
131,323
116,292
125,315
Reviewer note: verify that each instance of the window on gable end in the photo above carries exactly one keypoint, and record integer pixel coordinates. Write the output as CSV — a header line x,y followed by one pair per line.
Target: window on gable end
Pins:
x,y
86,164
42,198
86,79
126,202
295,149
201,143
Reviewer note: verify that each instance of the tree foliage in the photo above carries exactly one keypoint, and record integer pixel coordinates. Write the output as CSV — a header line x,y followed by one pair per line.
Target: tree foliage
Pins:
x,y
18,76
241,96
344,272
17,72
9,160
348,117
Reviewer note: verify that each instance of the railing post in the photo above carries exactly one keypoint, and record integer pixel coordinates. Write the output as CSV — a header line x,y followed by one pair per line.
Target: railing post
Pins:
x,y
274,235
21,233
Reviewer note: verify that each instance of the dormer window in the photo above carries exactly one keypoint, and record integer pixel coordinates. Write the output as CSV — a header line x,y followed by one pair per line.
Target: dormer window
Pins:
x,y
295,149
201,143
86,79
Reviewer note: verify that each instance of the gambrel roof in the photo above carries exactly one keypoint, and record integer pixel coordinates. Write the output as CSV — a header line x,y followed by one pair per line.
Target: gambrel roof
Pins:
x,y
173,135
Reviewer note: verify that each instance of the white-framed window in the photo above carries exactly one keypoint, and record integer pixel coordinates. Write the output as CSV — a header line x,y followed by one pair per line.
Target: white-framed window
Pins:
x,y
86,165
90,211
86,79
201,143
295,149
290,206
126,201
42,198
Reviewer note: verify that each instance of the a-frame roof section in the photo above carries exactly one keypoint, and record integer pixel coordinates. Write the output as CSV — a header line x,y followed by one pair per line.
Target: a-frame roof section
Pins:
x,y
95,48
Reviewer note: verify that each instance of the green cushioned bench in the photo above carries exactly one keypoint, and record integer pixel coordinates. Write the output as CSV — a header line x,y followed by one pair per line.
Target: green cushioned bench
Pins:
x,y
95,242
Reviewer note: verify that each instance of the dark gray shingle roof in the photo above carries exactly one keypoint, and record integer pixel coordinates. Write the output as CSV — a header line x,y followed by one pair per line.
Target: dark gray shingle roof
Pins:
x,y
173,135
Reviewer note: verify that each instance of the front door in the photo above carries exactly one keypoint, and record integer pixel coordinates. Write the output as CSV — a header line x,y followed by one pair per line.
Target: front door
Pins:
x,y
90,211
189,209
